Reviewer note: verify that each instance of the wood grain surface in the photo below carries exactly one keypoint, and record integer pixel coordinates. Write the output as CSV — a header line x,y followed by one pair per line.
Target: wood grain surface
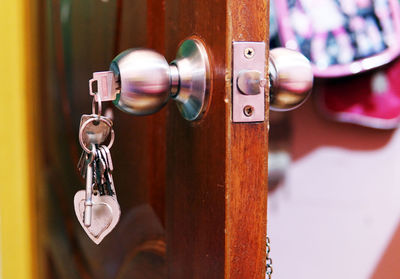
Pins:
x,y
195,195
217,170
246,160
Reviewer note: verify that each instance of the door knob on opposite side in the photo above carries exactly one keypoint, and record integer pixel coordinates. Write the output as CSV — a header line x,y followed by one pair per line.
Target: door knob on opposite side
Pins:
x,y
291,79
145,80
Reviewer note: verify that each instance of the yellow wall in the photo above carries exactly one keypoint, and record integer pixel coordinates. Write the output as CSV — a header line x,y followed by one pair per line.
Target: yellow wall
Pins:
x,y
17,136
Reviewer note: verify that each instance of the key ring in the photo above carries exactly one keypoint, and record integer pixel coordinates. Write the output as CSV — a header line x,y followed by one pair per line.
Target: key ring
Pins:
x,y
84,147
99,106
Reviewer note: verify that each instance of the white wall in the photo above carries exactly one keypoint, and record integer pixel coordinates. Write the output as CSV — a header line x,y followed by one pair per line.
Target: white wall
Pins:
x,y
340,205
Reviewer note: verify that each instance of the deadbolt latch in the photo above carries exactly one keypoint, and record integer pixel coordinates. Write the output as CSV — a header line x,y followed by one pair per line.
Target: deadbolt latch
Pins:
x,y
290,80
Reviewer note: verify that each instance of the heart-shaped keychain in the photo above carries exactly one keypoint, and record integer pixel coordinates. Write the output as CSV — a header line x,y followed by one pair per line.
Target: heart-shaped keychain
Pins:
x,y
97,207
105,215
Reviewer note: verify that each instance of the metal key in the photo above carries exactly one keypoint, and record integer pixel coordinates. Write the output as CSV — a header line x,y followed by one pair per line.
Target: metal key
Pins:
x,y
106,153
82,164
100,169
106,181
108,157
107,87
87,216
101,162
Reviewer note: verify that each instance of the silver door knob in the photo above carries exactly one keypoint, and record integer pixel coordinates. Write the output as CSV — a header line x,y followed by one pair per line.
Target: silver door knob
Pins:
x,y
291,79
146,81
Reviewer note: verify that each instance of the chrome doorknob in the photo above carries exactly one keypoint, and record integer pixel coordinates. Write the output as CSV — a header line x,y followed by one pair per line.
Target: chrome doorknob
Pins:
x,y
291,79
145,81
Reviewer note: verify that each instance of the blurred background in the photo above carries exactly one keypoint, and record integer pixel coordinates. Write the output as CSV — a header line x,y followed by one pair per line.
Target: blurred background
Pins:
x,y
334,163
334,184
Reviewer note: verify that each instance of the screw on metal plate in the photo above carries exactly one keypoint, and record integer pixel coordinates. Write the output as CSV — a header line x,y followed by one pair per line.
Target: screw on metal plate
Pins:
x,y
248,110
249,52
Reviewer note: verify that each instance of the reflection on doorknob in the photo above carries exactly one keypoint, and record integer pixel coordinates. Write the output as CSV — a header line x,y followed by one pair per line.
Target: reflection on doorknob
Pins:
x,y
291,79
146,81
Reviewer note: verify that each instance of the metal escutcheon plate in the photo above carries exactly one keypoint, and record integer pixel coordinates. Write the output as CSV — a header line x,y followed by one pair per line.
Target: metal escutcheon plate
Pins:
x,y
194,78
249,106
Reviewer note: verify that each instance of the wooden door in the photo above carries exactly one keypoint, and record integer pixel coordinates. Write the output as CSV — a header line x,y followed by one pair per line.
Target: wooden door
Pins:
x,y
193,194
216,191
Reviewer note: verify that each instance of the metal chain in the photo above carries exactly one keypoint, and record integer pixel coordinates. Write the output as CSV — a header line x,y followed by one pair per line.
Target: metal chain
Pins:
x,y
268,262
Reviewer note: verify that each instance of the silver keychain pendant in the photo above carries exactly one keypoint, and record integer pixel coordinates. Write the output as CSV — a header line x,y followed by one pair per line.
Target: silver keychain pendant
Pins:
x,y
105,213
96,207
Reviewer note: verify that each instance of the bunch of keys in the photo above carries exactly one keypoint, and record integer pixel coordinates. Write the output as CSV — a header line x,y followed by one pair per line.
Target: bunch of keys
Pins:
x,y
97,207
